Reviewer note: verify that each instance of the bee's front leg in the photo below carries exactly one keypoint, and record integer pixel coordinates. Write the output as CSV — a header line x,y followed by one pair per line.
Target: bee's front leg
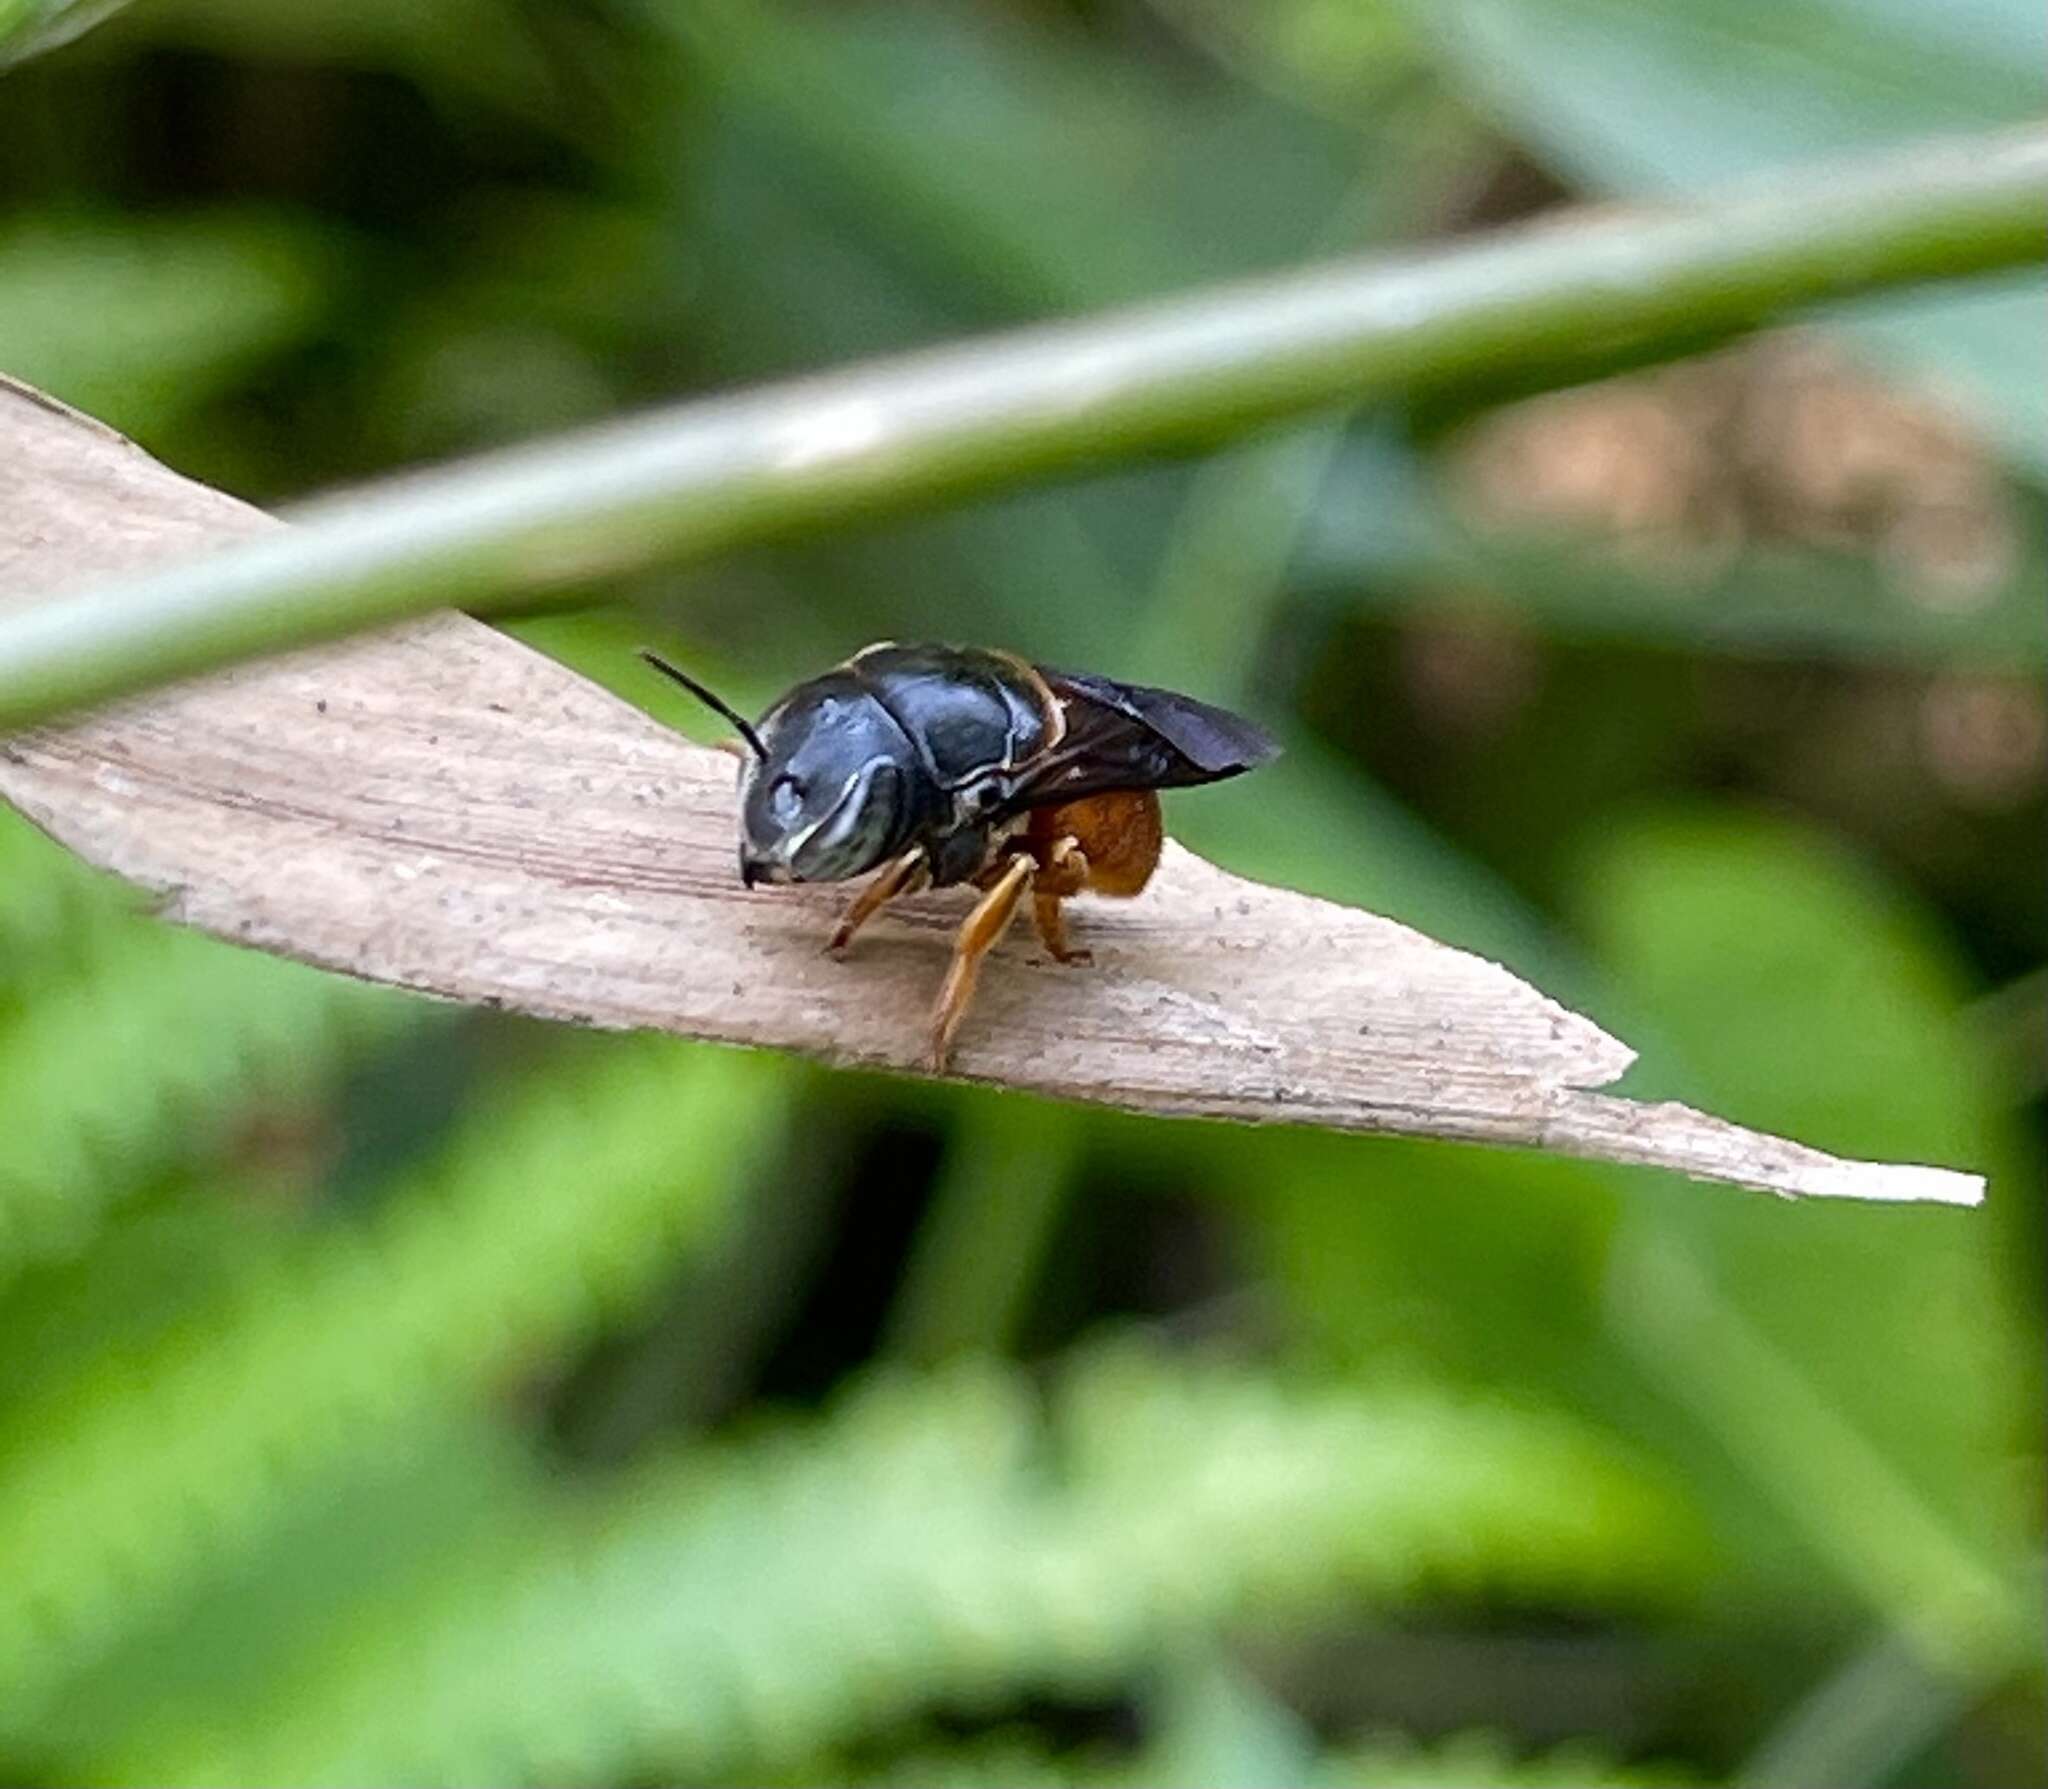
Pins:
x,y
901,875
977,936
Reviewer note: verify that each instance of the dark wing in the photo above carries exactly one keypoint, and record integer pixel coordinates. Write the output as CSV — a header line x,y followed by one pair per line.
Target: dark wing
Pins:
x,y
1126,736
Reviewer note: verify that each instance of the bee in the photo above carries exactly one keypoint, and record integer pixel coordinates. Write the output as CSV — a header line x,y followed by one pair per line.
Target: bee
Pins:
x,y
934,766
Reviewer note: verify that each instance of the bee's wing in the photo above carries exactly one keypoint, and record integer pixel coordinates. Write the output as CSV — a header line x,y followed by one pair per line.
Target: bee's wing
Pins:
x,y
1128,736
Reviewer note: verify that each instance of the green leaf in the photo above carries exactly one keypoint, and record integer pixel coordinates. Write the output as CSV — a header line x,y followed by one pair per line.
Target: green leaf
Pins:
x,y
29,27
1485,1761
1214,1724
1462,1761
1016,171
398,1503
54,909
548,1210
499,60
1852,1390
1817,1000
1646,96
933,1543
147,1055
1680,93
140,319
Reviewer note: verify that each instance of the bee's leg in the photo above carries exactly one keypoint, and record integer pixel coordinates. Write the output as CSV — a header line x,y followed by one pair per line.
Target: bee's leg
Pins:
x,y
1065,873
1052,931
982,927
901,875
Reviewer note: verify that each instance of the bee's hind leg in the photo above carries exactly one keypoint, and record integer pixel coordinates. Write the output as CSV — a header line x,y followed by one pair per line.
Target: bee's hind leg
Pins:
x,y
901,875
1065,873
1052,930
977,936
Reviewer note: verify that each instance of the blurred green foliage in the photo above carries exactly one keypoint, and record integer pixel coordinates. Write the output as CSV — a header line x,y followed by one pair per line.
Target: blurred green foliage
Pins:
x,y
394,1394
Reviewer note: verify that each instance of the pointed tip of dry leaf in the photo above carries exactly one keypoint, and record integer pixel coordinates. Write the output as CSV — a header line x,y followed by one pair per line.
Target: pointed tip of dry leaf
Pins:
x,y
1893,1183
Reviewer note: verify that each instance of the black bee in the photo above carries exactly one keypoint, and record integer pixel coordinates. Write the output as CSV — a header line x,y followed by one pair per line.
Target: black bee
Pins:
x,y
937,765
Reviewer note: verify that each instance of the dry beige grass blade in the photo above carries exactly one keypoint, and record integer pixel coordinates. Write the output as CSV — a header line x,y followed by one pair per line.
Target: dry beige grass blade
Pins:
x,y
438,807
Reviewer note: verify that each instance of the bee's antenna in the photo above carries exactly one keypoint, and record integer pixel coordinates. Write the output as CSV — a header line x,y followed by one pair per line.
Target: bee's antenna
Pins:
x,y
716,703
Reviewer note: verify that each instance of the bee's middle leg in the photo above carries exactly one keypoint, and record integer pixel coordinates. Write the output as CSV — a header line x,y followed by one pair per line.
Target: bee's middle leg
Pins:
x,y
977,936
901,875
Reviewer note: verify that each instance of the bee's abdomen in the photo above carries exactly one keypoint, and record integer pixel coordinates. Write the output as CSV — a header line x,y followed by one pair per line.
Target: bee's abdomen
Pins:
x,y
1121,833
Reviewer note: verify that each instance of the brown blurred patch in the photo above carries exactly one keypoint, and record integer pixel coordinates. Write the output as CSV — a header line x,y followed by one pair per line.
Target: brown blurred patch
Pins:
x,y
1470,674
1784,439
1986,739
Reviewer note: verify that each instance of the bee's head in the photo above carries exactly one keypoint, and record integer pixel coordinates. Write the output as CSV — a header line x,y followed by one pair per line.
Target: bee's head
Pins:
x,y
828,794
829,783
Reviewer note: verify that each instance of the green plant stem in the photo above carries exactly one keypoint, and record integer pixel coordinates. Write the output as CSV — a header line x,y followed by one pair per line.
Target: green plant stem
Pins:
x,y
1862,1723
982,1245
1945,1598
883,437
